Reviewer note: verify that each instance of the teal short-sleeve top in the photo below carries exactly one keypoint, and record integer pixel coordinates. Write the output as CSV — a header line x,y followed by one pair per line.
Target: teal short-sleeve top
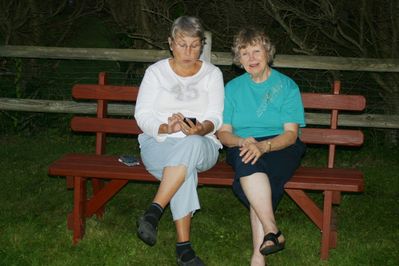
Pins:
x,y
261,109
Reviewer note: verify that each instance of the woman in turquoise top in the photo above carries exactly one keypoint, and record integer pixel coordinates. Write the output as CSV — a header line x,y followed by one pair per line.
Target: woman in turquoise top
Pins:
x,y
262,114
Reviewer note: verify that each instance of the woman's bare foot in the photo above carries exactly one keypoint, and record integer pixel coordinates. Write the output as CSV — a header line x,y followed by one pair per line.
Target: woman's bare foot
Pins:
x,y
258,259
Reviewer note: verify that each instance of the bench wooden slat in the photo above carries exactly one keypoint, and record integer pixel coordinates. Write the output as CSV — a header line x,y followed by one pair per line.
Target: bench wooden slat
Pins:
x,y
344,137
324,184
334,179
98,166
105,125
108,167
105,92
129,93
129,126
331,101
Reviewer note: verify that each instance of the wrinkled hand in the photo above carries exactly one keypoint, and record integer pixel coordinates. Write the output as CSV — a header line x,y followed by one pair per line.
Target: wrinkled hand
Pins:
x,y
250,150
174,124
242,142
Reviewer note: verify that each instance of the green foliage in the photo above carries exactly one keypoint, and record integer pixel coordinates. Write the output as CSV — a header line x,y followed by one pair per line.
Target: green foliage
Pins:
x,y
91,32
33,209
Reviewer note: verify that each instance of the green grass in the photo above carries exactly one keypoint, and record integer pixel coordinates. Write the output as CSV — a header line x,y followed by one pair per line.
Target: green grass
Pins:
x,y
33,209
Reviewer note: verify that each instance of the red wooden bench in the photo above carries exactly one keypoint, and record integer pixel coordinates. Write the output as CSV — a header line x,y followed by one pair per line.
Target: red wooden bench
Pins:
x,y
108,176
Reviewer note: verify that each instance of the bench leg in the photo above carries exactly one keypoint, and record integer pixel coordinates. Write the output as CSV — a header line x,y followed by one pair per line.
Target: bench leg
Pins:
x,y
324,218
97,185
99,200
326,231
307,205
79,207
334,233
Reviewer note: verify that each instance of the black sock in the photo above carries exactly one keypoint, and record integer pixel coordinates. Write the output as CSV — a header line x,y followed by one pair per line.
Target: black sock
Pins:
x,y
153,214
184,251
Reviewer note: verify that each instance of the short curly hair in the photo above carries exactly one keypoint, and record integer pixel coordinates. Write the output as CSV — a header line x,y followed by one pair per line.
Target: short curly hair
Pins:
x,y
251,36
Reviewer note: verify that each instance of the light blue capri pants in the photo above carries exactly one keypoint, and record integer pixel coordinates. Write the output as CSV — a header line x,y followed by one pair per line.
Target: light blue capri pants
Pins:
x,y
197,153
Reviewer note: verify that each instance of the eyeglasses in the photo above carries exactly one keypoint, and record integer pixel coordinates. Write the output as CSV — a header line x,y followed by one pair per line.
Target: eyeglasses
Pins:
x,y
184,46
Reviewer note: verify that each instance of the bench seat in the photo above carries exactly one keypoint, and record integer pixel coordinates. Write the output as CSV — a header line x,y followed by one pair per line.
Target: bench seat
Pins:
x,y
108,167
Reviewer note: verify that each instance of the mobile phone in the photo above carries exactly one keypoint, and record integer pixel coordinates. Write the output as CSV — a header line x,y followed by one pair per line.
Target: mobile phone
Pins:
x,y
193,119
129,160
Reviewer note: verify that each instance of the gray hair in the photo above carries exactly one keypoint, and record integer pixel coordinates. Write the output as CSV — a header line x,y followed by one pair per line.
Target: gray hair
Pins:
x,y
187,26
252,36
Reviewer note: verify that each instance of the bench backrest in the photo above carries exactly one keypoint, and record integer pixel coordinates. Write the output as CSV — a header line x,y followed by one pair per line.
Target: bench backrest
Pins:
x,y
102,124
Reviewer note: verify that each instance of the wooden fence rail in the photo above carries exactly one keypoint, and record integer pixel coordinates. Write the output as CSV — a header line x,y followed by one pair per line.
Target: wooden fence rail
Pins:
x,y
217,58
72,107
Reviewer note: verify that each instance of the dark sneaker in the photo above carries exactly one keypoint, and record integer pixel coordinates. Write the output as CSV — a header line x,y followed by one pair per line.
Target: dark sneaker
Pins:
x,y
146,231
196,261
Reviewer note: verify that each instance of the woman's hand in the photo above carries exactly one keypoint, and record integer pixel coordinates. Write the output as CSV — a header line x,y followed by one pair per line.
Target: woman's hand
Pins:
x,y
246,141
189,128
174,124
250,150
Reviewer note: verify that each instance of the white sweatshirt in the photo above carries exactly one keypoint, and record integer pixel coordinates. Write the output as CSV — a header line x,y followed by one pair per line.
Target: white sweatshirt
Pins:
x,y
163,92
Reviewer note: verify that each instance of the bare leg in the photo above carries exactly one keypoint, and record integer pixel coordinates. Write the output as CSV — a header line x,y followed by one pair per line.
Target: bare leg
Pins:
x,y
172,178
183,228
257,189
257,238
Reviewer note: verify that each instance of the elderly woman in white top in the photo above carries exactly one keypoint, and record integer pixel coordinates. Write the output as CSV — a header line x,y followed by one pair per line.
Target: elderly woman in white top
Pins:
x,y
174,148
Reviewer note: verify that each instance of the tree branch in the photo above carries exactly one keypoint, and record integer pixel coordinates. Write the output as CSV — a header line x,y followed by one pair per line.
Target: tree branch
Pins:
x,y
145,39
276,15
